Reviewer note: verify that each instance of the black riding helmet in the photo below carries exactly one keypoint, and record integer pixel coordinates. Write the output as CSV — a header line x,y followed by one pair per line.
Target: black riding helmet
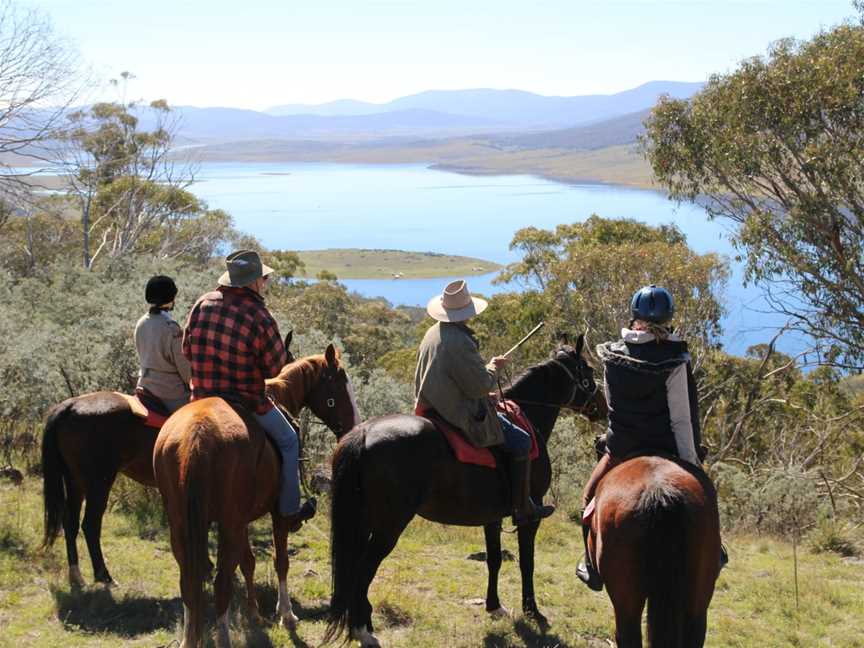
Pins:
x,y
652,304
160,290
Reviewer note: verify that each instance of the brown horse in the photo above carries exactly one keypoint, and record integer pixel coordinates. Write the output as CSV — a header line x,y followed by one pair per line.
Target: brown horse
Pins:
x,y
88,440
212,465
391,468
655,537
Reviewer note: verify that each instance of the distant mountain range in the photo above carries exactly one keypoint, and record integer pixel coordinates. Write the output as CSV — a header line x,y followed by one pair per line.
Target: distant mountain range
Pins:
x,y
435,113
512,107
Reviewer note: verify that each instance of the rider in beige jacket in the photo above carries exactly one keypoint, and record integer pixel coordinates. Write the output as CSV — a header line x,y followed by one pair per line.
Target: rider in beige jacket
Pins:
x,y
165,371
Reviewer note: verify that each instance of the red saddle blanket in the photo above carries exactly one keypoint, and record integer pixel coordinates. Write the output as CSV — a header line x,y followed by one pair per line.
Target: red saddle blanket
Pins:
x,y
156,414
467,453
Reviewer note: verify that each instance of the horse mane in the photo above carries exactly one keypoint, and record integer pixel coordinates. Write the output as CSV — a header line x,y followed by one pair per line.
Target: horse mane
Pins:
x,y
524,379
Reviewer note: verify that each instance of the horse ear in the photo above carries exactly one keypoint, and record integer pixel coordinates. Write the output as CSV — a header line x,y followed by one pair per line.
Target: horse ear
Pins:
x,y
331,355
563,337
580,343
288,337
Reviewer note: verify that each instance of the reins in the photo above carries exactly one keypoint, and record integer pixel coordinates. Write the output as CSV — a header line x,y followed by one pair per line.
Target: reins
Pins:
x,y
580,384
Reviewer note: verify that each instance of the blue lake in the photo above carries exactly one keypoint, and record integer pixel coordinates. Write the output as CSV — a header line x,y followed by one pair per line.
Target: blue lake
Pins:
x,y
307,206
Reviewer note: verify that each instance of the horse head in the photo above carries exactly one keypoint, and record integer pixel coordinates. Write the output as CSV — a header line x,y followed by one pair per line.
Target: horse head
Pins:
x,y
585,396
320,383
332,398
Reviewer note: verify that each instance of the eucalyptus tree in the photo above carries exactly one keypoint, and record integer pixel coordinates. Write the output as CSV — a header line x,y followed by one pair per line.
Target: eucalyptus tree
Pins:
x,y
777,148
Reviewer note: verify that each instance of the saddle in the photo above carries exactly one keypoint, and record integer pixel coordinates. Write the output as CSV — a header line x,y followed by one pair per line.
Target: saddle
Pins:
x,y
467,453
147,406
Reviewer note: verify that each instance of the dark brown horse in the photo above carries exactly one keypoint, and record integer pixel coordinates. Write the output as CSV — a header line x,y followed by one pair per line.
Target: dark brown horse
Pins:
x,y
391,468
88,440
655,536
212,465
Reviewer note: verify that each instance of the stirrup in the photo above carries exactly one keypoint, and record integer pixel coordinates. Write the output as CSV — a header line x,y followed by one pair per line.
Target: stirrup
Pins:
x,y
588,575
536,514
305,512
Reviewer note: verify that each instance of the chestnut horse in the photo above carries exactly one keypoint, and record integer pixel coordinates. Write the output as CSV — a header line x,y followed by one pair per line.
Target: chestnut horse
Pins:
x,y
214,465
88,439
391,468
655,537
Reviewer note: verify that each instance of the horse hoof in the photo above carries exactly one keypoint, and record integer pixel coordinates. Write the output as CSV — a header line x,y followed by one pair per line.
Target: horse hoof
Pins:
x,y
289,620
501,613
538,618
76,581
255,616
366,638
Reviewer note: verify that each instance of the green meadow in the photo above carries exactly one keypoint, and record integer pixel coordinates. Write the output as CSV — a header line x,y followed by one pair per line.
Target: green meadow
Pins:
x,y
391,264
429,592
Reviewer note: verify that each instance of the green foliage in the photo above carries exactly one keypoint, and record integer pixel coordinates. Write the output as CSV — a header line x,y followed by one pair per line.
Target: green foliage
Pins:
x,y
131,191
831,535
776,147
585,273
285,263
64,330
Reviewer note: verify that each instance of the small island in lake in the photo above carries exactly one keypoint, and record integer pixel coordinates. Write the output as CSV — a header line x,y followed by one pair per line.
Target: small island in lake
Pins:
x,y
392,264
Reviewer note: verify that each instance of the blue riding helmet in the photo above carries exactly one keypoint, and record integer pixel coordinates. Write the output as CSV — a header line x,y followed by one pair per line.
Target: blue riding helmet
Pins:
x,y
652,304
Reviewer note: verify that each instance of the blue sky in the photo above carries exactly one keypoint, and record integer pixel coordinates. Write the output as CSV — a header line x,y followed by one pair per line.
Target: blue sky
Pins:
x,y
259,53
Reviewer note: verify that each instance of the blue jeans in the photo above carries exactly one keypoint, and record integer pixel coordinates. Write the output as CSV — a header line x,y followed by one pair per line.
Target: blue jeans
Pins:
x,y
516,440
279,429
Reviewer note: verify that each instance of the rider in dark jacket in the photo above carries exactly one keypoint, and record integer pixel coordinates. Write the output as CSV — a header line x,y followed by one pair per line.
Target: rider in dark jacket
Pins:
x,y
651,394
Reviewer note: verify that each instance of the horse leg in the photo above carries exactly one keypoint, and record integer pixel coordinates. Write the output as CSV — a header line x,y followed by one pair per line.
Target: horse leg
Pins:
x,y
382,541
71,517
247,567
232,544
695,627
527,534
628,629
620,564
493,564
281,562
97,502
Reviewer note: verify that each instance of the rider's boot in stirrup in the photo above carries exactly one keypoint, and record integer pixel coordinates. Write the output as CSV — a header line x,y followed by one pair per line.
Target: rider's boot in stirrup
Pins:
x,y
524,509
586,572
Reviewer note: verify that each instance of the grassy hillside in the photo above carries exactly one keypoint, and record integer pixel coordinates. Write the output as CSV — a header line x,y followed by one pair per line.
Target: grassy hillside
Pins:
x,y
428,592
611,165
387,264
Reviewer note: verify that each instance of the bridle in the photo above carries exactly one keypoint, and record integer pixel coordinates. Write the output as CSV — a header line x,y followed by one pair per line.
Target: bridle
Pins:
x,y
580,383
327,383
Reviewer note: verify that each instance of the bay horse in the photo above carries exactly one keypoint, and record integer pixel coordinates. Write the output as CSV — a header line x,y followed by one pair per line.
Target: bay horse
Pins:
x,y
213,463
655,537
87,441
391,468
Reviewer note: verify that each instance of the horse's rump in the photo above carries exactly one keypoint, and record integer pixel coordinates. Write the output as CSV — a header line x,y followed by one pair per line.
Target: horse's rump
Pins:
x,y
234,446
657,537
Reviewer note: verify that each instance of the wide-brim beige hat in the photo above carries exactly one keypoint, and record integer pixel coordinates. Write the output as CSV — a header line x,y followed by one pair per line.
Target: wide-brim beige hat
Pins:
x,y
244,267
455,304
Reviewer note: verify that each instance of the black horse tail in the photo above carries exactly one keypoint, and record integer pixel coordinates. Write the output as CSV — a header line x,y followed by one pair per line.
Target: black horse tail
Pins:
x,y
349,529
195,566
664,511
54,475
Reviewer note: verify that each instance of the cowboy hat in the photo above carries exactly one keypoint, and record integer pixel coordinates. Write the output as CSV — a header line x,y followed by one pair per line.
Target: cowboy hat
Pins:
x,y
244,267
455,304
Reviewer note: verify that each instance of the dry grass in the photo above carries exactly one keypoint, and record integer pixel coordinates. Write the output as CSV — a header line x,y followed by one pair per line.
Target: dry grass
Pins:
x,y
426,593
384,264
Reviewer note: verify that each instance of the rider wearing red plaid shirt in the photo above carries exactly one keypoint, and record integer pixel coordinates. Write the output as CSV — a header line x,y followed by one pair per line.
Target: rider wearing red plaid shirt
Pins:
x,y
233,345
